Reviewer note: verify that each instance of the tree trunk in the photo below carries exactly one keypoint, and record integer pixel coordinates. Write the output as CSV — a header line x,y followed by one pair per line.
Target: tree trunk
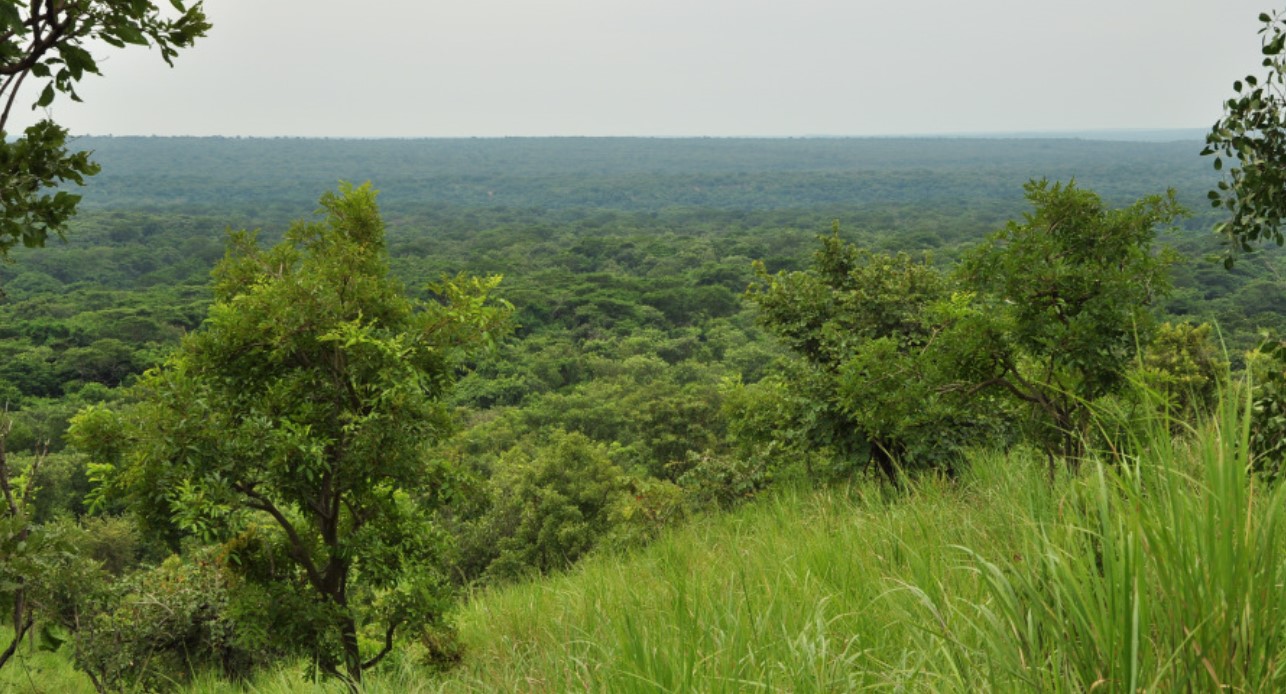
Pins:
x,y
352,656
884,461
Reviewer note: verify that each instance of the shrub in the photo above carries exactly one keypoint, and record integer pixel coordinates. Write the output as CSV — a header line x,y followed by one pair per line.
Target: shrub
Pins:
x,y
1184,364
551,502
722,481
156,628
1268,408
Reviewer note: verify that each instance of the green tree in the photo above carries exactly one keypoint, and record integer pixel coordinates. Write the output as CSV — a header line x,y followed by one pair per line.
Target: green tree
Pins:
x,y
1063,301
867,329
305,405
551,502
48,40
1251,136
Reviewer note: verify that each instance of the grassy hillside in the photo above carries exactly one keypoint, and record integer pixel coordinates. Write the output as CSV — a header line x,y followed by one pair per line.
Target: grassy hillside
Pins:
x,y
1160,573
636,357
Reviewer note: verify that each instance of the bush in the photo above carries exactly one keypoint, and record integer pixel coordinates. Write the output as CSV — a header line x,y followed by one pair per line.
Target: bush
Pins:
x,y
156,628
551,502
1184,364
1268,408
722,481
648,507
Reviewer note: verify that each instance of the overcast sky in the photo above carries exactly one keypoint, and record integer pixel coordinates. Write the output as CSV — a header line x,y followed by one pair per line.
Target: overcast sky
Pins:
x,y
439,68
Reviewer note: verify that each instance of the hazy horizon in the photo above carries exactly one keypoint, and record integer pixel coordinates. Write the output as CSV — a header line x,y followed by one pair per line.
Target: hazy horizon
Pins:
x,y
1106,134
677,68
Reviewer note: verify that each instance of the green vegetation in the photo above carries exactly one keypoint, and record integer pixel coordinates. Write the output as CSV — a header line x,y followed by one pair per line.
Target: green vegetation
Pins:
x,y
1066,300
47,40
1158,574
996,581
340,462
975,443
293,427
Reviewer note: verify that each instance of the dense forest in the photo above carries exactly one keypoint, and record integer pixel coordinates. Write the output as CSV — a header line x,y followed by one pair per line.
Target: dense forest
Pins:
x,y
670,329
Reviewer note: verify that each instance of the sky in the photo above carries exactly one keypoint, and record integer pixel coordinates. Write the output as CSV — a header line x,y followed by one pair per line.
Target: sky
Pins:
x,y
672,68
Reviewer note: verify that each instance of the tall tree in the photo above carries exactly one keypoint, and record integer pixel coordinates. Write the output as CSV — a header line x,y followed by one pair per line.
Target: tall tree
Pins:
x,y
300,414
48,40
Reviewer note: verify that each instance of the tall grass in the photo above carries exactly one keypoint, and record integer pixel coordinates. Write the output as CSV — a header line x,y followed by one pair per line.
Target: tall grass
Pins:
x,y
1163,572
803,592
35,671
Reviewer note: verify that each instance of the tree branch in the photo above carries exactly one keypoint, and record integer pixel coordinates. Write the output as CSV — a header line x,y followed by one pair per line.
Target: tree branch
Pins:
x,y
388,645
297,548
40,45
17,639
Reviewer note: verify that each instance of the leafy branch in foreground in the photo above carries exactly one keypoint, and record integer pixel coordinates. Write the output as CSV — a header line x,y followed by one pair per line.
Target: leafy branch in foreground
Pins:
x,y
47,40
1251,135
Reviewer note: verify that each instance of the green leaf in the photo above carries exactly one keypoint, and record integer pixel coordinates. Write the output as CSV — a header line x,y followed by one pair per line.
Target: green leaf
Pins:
x,y
52,637
46,96
130,34
79,60
9,17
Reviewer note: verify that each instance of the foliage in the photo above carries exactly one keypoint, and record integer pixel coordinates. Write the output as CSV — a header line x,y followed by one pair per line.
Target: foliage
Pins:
x,y
931,191
1063,299
867,329
772,435
1185,366
26,557
1268,408
29,166
550,503
307,401
625,329
723,480
645,510
844,589
47,40
155,629
1252,133
1159,574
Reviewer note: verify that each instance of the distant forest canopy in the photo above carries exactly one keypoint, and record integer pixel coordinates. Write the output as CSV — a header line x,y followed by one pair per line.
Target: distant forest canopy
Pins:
x,y
661,214
631,174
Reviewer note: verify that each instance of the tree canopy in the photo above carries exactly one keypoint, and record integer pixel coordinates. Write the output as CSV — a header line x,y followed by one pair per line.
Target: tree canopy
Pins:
x,y
1066,297
907,363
